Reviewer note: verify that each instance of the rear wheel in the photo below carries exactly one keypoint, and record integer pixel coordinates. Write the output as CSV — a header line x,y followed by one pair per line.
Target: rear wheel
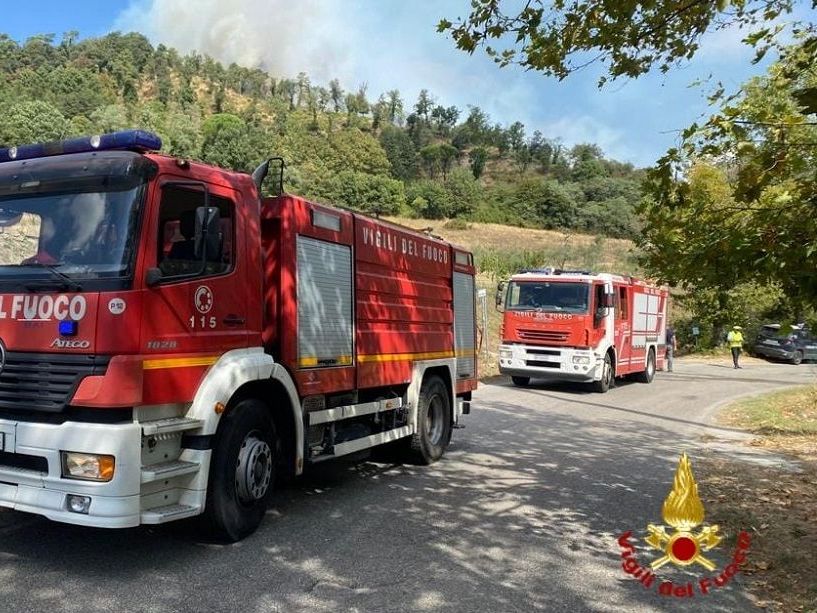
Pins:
x,y
242,471
797,358
520,381
648,374
433,434
607,376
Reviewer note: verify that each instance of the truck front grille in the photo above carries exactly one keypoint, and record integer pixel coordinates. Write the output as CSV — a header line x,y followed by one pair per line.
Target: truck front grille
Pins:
x,y
548,336
21,461
44,381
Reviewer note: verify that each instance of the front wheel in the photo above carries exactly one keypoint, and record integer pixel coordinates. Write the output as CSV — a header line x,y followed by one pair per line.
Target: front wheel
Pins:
x,y
797,358
520,381
242,471
607,376
433,434
648,374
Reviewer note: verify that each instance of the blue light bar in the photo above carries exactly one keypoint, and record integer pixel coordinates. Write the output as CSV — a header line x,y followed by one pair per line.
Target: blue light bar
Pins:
x,y
130,140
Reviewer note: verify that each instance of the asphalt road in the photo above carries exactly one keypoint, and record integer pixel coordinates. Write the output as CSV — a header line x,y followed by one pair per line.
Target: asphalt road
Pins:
x,y
522,514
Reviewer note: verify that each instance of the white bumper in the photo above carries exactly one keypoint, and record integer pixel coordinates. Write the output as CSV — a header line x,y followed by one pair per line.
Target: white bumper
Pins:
x,y
113,505
550,362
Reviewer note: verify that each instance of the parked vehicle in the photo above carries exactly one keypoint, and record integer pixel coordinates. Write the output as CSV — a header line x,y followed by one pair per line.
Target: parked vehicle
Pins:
x,y
171,343
794,344
581,326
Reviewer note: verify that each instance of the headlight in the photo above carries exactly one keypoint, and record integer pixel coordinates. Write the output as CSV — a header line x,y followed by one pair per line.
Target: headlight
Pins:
x,y
581,359
505,353
87,466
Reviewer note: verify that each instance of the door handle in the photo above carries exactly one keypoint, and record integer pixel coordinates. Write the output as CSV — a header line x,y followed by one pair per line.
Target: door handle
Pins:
x,y
233,320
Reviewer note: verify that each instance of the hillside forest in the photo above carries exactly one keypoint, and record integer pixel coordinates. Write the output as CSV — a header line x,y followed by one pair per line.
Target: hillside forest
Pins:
x,y
374,151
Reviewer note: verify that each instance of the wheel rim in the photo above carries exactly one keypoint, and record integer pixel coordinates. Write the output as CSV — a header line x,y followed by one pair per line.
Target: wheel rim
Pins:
x,y
434,420
253,468
651,365
608,371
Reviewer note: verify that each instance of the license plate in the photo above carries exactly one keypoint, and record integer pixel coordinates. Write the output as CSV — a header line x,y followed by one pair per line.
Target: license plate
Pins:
x,y
769,341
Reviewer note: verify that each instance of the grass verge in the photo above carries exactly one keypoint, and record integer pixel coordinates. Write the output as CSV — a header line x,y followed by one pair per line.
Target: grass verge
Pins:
x,y
777,505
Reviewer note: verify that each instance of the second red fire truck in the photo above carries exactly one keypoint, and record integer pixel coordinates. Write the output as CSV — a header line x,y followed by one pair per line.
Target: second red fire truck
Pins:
x,y
581,326
171,343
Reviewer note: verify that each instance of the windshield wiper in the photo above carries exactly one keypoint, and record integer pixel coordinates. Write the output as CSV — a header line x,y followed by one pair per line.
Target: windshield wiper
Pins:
x,y
66,282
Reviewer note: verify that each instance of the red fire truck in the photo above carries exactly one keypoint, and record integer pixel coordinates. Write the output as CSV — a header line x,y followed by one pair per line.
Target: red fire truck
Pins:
x,y
171,343
580,326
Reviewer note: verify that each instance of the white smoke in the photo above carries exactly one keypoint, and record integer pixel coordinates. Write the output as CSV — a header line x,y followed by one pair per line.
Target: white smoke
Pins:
x,y
386,44
282,37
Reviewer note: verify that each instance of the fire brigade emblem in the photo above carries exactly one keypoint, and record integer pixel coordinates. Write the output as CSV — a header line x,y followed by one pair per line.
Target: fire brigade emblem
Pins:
x,y
203,299
683,511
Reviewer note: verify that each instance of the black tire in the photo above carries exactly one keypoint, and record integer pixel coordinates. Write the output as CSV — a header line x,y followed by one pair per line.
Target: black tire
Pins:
x,y
797,358
520,381
433,434
648,374
607,377
242,471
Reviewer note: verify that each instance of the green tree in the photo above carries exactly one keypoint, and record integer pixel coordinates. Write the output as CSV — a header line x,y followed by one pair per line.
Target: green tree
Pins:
x,y
32,122
477,158
226,142
761,226
424,105
358,190
400,151
627,38
429,199
336,93
464,192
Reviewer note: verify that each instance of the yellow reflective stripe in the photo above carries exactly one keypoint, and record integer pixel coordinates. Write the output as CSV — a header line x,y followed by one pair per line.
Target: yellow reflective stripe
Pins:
x,y
400,357
179,362
343,360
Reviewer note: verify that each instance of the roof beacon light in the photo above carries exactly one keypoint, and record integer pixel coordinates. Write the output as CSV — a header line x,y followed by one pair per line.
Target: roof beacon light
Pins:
x,y
130,140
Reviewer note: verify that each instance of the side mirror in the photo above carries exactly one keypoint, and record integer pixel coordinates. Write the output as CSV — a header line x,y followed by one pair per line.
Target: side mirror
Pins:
x,y
500,291
609,301
207,246
600,313
153,276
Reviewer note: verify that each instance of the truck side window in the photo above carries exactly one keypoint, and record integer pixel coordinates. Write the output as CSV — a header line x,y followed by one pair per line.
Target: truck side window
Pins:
x,y
599,292
623,312
177,226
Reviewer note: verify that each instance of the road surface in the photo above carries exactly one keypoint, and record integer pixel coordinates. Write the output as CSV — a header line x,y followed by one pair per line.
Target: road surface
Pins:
x,y
522,514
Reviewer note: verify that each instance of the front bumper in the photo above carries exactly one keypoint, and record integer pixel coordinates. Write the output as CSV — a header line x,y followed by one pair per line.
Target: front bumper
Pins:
x,y
562,363
114,504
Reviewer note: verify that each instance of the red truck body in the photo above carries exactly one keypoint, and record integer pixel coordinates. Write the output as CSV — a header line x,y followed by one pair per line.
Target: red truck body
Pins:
x,y
132,363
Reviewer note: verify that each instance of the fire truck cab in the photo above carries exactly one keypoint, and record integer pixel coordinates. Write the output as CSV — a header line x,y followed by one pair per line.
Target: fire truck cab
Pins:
x,y
580,326
171,343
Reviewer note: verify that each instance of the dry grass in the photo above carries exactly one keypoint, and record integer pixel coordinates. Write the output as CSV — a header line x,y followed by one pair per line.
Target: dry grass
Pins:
x,y
614,252
778,506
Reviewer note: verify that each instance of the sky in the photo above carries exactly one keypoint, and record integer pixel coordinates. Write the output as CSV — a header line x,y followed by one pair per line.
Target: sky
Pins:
x,y
390,44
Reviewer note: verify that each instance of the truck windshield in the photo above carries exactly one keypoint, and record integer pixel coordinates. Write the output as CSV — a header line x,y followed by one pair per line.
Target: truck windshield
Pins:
x,y
55,228
545,296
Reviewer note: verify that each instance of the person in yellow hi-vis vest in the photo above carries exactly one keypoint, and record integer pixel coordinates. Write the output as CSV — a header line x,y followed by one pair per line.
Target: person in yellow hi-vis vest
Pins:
x,y
735,340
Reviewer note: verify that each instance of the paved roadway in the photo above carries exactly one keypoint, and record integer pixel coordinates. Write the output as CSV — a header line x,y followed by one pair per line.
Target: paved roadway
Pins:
x,y
521,515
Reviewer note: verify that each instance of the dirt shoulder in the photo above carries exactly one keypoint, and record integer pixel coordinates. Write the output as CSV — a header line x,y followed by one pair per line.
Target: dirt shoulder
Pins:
x,y
778,505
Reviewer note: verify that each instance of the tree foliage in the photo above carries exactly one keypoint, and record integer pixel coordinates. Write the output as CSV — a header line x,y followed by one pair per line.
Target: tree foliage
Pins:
x,y
740,193
627,38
